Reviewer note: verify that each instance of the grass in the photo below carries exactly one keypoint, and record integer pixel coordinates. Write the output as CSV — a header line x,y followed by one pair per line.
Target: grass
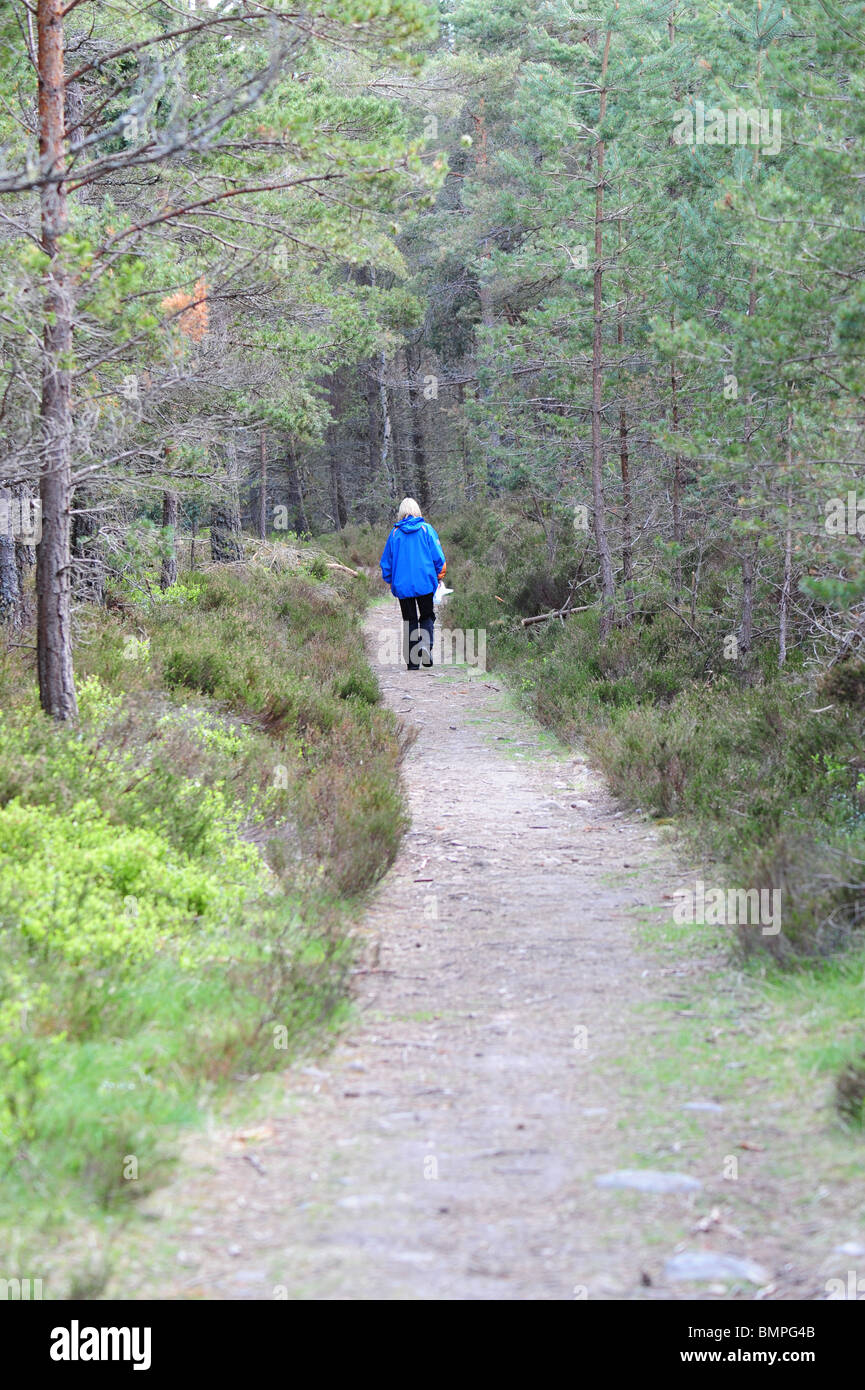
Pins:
x,y
765,1044
762,1042
178,873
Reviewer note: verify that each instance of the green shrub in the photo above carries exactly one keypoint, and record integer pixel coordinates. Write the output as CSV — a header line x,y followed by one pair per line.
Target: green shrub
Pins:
x,y
359,684
205,671
94,893
850,1092
845,683
316,567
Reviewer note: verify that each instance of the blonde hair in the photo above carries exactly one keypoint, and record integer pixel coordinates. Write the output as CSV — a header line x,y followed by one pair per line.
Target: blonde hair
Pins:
x,y
408,507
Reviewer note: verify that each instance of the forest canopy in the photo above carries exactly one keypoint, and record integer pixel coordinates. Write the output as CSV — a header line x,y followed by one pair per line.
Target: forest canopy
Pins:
x,y
276,268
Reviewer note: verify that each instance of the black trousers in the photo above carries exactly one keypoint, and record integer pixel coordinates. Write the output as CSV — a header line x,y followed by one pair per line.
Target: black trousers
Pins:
x,y
418,621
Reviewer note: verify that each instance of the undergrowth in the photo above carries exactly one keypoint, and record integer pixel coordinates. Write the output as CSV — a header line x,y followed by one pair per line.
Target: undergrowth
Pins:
x,y
763,770
177,872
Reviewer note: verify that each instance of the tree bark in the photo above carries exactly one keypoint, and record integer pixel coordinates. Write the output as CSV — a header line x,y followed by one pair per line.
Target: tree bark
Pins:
x,y
10,579
787,585
295,493
337,491
226,535
372,438
493,470
25,553
468,472
749,554
87,569
746,624
488,317
413,363
677,477
608,592
625,465
262,485
54,637
339,506
386,429
168,574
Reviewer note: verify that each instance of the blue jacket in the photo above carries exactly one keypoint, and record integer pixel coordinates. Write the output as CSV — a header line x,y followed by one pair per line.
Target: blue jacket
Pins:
x,y
412,559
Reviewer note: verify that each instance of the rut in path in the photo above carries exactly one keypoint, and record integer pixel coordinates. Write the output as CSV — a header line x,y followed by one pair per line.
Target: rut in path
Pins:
x,y
448,1147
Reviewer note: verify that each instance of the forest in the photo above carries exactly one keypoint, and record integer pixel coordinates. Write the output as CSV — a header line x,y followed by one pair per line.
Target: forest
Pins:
x,y
588,283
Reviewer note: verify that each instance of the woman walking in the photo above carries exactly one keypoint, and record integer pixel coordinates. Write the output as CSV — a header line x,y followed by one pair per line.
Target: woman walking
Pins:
x,y
412,563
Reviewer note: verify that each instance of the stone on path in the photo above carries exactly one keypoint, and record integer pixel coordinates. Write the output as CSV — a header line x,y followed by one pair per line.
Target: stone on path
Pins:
x,y
649,1180
706,1265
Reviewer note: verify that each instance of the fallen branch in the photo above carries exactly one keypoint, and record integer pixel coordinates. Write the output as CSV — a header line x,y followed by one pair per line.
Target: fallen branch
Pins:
x,y
683,619
556,613
277,555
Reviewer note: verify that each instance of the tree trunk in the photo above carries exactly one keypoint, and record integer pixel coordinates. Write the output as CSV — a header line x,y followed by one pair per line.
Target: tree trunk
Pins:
x,y
386,430
226,544
488,317
413,364
384,456
87,570
494,470
749,555
262,485
54,637
168,574
337,492
608,591
746,624
295,493
400,431
627,554
625,463
468,472
18,530
677,477
10,579
372,435
226,535
787,586
25,552
339,506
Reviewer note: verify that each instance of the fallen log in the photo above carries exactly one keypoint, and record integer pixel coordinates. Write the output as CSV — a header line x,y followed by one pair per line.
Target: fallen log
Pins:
x,y
555,613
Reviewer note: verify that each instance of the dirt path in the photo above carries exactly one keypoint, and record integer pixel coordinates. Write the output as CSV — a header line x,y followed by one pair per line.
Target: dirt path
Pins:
x,y
449,1147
